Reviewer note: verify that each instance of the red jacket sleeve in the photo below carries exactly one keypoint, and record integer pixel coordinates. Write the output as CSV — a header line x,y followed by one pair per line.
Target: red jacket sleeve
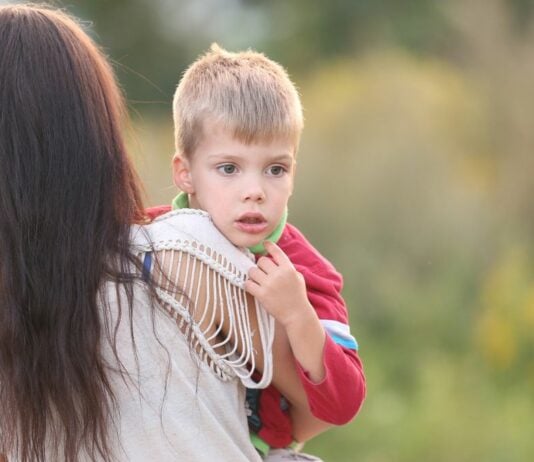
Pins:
x,y
339,396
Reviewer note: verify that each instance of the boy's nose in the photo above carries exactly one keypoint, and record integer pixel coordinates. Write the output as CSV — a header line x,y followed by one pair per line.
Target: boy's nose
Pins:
x,y
255,195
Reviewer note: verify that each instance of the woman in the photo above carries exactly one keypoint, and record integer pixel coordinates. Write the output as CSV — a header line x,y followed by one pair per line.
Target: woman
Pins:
x,y
118,340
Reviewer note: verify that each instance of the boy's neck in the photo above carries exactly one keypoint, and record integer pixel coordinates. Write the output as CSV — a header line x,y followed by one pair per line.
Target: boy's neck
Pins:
x,y
181,201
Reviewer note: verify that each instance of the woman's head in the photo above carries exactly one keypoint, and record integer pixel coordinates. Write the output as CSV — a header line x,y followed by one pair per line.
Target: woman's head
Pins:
x,y
68,194
60,112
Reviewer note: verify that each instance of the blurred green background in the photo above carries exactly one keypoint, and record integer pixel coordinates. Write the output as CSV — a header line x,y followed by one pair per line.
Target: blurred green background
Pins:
x,y
415,178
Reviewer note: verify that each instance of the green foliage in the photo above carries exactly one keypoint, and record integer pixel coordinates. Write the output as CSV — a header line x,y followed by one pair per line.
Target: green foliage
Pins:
x,y
152,41
506,316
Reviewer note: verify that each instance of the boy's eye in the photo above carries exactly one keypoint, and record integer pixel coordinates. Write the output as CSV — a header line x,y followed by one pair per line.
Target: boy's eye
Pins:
x,y
227,169
276,170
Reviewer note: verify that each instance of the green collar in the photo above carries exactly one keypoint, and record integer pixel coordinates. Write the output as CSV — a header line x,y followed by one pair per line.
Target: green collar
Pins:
x,y
181,201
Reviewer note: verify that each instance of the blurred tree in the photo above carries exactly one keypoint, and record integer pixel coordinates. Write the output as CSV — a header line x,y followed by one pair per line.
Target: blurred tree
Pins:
x,y
148,61
307,31
152,41
522,11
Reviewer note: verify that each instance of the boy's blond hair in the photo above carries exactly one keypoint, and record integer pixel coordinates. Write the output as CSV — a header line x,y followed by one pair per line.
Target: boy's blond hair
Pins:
x,y
247,92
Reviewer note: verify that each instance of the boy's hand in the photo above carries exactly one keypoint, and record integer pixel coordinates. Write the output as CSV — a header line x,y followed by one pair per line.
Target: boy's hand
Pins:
x,y
281,289
278,286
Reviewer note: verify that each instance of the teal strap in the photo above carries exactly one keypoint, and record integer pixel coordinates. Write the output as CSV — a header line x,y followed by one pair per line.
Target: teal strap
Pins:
x,y
181,201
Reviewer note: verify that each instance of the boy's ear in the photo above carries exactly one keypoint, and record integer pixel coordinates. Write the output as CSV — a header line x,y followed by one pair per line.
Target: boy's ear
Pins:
x,y
181,172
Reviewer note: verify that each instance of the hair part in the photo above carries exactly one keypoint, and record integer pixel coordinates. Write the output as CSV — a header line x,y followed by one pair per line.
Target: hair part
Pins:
x,y
68,195
247,92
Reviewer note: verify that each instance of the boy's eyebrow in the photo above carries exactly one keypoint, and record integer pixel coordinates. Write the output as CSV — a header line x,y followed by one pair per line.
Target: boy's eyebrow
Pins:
x,y
289,158
282,158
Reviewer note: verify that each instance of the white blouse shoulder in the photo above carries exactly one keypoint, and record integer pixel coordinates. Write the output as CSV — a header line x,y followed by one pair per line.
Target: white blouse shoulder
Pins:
x,y
188,252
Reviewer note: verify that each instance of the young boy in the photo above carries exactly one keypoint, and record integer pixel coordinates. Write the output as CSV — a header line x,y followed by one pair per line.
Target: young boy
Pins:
x,y
238,121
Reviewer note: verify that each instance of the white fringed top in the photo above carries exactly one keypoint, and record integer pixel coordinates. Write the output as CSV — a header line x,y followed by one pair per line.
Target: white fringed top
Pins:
x,y
202,288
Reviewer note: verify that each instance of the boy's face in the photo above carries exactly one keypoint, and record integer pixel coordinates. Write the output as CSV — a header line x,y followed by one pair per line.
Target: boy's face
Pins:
x,y
245,188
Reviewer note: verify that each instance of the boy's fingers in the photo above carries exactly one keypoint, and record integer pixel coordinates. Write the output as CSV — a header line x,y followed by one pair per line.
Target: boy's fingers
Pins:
x,y
251,287
266,264
256,275
276,252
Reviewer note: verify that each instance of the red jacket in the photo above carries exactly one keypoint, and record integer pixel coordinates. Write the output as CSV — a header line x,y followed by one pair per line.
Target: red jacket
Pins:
x,y
339,396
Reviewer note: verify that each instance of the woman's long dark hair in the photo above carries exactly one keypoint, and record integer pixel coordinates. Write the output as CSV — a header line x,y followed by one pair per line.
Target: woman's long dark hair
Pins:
x,y
68,195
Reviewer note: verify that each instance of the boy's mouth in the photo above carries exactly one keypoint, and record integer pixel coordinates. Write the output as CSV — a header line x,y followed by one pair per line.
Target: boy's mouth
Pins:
x,y
251,220
253,223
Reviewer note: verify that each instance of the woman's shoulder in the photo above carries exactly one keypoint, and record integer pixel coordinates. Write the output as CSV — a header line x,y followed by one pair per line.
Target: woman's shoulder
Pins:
x,y
180,224
192,231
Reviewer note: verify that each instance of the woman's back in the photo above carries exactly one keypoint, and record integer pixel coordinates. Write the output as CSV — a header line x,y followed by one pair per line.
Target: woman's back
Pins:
x,y
174,407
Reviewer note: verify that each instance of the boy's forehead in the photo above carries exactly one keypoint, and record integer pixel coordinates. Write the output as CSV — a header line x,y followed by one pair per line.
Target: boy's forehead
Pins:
x,y
215,129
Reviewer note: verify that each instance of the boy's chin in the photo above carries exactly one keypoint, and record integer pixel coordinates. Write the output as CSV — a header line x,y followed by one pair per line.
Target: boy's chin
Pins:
x,y
246,243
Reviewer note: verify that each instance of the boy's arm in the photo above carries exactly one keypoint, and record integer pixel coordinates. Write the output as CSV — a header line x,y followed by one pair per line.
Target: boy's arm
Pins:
x,y
286,379
329,370
338,397
281,290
